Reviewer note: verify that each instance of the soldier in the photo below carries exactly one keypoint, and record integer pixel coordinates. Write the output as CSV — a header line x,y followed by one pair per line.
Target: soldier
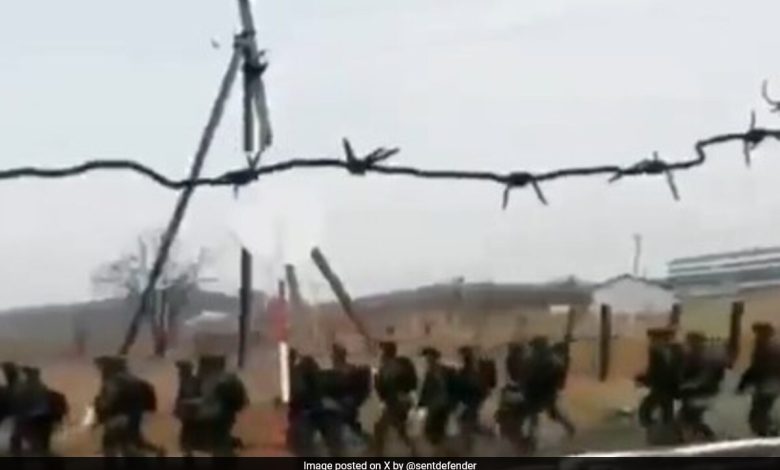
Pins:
x,y
121,402
305,404
13,383
661,378
543,383
763,375
703,370
512,411
395,381
475,380
347,386
435,397
185,408
223,397
41,410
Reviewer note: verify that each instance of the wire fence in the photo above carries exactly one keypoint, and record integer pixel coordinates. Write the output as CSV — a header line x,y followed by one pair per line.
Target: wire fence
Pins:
x,y
247,53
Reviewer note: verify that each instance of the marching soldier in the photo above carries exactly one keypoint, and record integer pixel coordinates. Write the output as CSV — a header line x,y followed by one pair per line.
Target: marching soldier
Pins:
x,y
513,411
476,378
224,396
763,375
395,382
41,410
354,385
13,383
435,397
703,369
546,371
185,408
120,404
304,408
661,378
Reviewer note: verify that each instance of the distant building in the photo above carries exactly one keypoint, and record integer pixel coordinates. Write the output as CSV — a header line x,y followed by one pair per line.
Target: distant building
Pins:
x,y
635,296
725,273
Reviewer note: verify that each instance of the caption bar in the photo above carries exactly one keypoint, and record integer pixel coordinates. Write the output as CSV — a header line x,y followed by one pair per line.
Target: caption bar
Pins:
x,y
391,465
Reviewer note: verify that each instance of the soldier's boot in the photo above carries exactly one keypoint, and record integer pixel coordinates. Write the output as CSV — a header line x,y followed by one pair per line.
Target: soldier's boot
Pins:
x,y
692,425
646,410
468,422
398,417
759,418
556,414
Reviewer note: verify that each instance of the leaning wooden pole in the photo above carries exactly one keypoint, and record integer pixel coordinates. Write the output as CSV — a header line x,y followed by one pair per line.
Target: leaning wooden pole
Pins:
x,y
341,294
605,342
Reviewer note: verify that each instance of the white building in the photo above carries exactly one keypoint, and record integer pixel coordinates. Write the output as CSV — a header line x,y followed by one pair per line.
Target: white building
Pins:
x,y
632,296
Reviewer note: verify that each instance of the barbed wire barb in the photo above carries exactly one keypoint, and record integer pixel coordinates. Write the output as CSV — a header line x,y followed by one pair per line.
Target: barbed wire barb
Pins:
x,y
774,105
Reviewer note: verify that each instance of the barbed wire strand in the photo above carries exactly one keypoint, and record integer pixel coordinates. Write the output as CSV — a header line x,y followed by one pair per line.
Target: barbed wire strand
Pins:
x,y
371,163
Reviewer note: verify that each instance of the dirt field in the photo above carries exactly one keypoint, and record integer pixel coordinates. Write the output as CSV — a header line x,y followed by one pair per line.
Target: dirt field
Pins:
x,y
602,411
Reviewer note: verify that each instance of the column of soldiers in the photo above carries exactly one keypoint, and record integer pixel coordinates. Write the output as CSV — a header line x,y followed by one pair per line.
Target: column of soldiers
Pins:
x,y
326,403
682,379
691,374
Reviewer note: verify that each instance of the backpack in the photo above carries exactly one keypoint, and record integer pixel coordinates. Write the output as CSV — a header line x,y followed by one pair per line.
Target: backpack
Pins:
x,y
487,373
407,380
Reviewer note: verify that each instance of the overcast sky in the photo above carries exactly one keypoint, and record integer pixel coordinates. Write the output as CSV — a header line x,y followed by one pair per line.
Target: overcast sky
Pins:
x,y
490,84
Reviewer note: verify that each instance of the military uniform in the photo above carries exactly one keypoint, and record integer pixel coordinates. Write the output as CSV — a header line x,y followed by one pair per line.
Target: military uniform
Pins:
x,y
435,397
304,408
542,387
661,378
513,410
41,410
475,379
186,407
120,405
703,369
763,375
223,397
395,381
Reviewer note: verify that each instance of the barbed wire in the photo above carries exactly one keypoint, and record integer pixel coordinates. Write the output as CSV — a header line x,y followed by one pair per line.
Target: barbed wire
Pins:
x,y
373,162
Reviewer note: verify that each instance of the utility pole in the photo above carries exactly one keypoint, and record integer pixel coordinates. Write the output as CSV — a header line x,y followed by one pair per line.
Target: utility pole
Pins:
x,y
253,102
637,253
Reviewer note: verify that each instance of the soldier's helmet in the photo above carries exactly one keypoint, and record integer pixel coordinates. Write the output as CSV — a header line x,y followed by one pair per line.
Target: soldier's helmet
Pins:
x,y
338,350
696,338
539,342
662,332
111,364
388,347
430,352
466,351
212,362
31,373
183,366
763,329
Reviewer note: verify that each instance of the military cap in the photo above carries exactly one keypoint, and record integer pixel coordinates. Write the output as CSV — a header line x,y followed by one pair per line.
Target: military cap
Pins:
x,y
430,352
337,348
183,365
696,337
212,361
388,346
763,327
539,341
31,372
661,332
466,350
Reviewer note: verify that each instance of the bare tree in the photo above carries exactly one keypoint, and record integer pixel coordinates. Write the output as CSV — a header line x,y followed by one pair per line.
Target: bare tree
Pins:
x,y
128,275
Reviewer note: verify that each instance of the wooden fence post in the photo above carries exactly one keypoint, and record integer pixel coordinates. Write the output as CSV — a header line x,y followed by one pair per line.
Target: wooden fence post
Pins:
x,y
674,316
605,341
735,330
